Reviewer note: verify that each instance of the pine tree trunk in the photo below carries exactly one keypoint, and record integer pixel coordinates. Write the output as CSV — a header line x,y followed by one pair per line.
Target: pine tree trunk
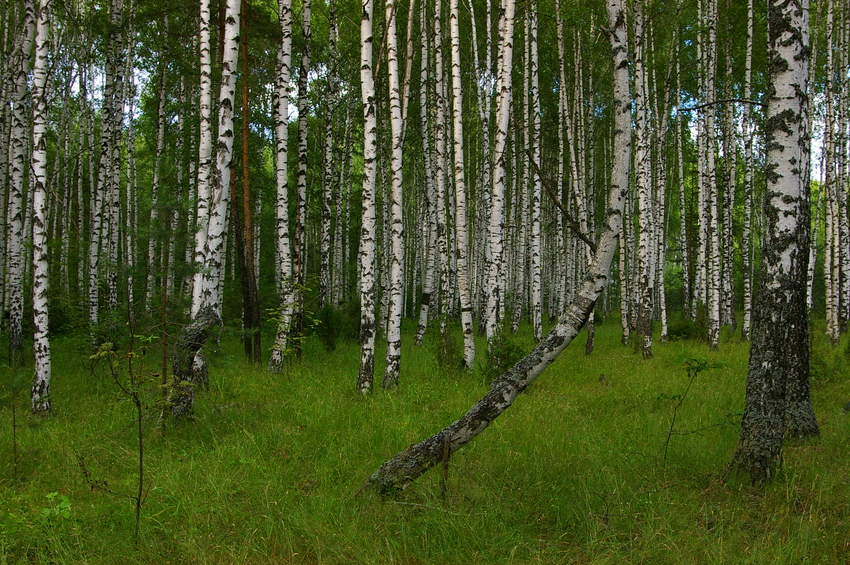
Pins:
x,y
250,296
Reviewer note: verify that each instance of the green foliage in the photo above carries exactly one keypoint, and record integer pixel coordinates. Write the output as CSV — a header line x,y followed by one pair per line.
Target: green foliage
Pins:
x,y
337,322
693,367
695,329
448,352
827,362
503,352
58,509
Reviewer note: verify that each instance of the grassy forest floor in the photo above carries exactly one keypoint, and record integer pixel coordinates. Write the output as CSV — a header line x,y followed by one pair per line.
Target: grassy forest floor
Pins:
x,y
271,469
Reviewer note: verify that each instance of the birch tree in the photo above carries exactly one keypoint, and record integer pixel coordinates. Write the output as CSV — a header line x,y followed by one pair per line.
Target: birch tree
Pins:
x,y
40,394
368,230
17,163
391,372
284,248
777,396
202,198
495,282
208,310
462,240
643,189
399,472
299,243
746,237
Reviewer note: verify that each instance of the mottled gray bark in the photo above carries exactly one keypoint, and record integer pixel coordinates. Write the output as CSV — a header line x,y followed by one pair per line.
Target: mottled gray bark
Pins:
x,y
778,374
183,364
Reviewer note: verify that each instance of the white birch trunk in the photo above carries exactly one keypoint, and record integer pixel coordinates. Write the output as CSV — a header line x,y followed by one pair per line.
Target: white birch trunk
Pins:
x,y
328,178
17,164
40,394
460,195
368,231
396,282
534,206
643,188
299,243
495,283
205,164
429,195
746,238
220,183
713,243
284,247
778,400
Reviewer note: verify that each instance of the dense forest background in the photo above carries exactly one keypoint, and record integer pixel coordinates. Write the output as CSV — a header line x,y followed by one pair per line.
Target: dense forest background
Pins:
x,y
478,217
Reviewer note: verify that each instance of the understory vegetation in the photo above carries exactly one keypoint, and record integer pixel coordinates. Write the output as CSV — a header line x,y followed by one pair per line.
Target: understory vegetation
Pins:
x,y
271,469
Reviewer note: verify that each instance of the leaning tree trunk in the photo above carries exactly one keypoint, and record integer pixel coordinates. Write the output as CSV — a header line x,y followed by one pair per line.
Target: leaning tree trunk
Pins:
x,y
399,472
187,348
778,375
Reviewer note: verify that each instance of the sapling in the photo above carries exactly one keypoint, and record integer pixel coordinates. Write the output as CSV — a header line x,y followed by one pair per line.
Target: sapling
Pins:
x,y
122,371
13,382
694,366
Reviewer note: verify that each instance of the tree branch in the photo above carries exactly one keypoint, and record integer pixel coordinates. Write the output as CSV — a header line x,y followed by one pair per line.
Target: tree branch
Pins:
x,y
725,100
571,223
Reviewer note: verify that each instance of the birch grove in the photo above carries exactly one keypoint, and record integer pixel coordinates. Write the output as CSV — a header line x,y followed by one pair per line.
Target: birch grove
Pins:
x,y
466,195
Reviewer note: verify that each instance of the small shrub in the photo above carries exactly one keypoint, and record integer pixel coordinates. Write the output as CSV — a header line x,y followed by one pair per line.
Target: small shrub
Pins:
x,y
503,352
682,329
687,328
328,327
448,352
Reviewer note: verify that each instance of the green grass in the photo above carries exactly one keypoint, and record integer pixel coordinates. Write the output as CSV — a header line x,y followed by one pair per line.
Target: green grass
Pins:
x,y
271,469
